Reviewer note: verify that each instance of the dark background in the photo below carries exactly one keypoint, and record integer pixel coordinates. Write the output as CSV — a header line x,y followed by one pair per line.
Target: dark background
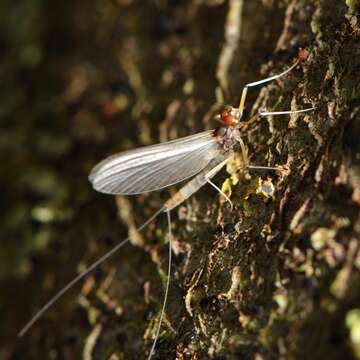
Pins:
x,y
84,79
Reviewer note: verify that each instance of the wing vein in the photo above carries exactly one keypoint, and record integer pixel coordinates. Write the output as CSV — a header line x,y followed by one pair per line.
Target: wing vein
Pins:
x,y
154,167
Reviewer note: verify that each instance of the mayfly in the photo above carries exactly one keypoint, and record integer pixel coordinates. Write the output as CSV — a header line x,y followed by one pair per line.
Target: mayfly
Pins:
x,y
151,168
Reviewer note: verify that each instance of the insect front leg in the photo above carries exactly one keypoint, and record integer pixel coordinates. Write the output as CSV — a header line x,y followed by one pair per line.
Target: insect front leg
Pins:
x,y
245,89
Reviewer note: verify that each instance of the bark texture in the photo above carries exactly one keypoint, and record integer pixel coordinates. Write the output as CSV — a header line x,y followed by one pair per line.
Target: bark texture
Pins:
x,y
276,277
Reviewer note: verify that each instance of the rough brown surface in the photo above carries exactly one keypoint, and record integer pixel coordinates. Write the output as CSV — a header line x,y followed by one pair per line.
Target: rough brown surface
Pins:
x,y
275,278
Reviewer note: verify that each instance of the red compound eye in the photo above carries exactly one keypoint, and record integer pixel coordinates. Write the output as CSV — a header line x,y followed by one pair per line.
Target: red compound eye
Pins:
x,y
227,118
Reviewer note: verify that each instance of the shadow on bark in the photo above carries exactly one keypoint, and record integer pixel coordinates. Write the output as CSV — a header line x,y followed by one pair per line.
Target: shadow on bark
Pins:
x,y
275,278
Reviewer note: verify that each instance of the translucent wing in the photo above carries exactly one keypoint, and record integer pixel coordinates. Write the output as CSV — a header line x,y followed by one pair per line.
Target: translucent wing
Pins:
x,y
154,167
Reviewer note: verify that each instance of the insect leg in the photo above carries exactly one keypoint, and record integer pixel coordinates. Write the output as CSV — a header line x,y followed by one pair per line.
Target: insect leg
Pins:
x,y
256,167
267,113
244,92
290,112
220,192
166,288
196,183
244,152
251,120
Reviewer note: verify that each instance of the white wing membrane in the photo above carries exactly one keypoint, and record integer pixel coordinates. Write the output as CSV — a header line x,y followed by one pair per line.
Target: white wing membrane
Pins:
x,y
154,167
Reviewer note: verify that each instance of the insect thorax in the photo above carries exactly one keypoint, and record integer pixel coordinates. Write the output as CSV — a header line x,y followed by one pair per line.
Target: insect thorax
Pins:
x,y
227,137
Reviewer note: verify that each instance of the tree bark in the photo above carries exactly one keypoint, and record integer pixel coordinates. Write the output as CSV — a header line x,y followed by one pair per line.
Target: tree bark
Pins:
x,y
276,277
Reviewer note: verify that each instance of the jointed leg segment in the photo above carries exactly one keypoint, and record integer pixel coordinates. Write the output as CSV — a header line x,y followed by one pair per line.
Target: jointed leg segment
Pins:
x,y
220,192
244,92
289,112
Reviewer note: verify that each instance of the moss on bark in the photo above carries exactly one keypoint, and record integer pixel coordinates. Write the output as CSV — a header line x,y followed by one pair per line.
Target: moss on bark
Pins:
x,y
276,277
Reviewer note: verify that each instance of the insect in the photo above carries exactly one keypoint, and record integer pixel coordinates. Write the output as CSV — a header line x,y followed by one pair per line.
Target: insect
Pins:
x,y
151,168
